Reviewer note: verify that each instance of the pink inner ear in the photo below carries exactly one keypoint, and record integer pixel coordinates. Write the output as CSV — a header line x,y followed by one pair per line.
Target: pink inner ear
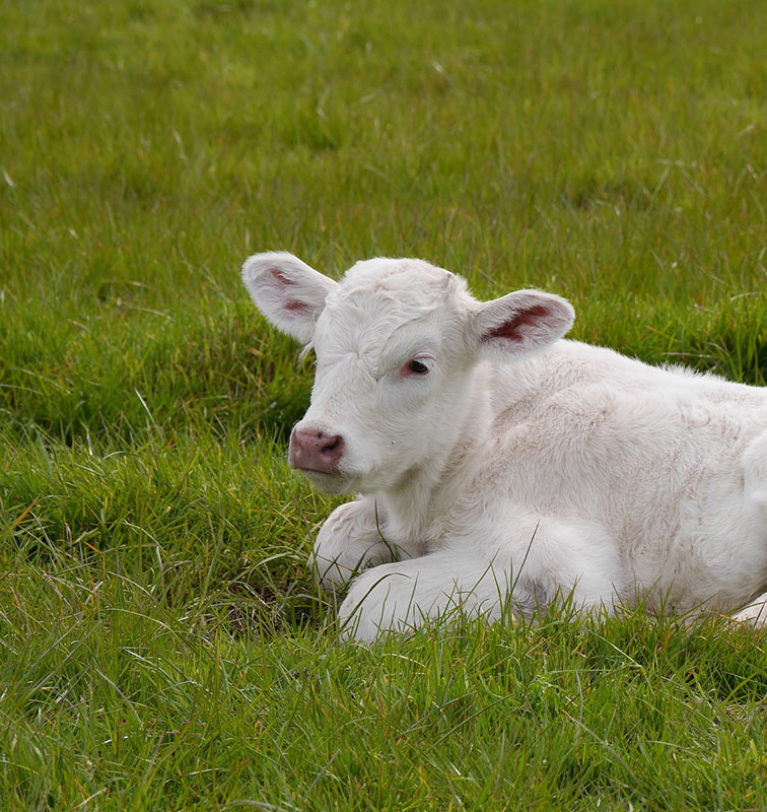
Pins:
x,y
281,277
293,305
510,329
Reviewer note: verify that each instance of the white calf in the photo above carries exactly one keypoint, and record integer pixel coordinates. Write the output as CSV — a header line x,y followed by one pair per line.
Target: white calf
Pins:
x,y
498,462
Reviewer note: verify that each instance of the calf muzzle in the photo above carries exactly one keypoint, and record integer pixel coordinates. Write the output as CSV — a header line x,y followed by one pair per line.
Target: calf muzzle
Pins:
x,y
313,450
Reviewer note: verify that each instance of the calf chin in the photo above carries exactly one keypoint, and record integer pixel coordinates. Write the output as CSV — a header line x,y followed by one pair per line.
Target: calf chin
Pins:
x,y
328,483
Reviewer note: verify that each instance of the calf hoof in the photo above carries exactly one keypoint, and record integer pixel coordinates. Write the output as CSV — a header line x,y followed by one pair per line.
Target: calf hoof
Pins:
x,y
755,614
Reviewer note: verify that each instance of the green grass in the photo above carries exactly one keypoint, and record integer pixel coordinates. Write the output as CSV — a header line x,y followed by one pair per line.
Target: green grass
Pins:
x,y
161,643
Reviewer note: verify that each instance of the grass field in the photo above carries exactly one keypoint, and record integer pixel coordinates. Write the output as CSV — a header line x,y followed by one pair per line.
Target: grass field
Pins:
x,y
162,646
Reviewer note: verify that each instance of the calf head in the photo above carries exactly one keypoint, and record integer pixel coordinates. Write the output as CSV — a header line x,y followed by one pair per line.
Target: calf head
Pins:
x,y
398,346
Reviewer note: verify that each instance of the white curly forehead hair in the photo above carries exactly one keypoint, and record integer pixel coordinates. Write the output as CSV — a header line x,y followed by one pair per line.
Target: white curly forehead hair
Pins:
x,y
376,298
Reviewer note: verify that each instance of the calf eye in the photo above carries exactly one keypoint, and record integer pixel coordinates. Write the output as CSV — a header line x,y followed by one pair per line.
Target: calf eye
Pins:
x,y
417,367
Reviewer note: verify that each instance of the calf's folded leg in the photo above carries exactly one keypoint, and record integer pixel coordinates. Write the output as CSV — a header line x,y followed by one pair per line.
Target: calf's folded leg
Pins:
x,y
401,596
350,540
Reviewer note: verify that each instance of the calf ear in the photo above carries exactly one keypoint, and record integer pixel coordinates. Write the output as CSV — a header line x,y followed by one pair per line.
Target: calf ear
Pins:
x,y
522,322
287,291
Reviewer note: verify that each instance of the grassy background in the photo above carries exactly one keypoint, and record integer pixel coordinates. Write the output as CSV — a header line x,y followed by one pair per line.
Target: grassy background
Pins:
x,y
161,645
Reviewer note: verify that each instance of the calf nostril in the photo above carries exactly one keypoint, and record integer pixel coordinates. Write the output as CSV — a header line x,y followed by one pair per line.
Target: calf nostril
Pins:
x,y
332,445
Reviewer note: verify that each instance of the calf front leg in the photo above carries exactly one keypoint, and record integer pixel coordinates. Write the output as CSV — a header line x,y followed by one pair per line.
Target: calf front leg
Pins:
x,y
351,539
549,560
400,597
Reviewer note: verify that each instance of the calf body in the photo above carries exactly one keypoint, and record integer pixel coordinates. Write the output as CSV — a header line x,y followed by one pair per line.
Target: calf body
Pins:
x,y
499,462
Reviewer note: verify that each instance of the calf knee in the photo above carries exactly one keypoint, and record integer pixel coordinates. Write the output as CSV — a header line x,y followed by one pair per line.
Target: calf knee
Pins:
x,y
345,543
379,599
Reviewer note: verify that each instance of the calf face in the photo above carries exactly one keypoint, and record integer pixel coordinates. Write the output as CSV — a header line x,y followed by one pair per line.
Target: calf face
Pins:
x,y
398,343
